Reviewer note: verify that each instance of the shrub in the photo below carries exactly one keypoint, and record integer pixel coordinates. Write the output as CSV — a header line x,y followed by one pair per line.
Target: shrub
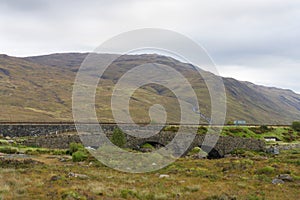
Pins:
x,y
288,138
266,170
296,125
230,122
193,188
202,130
236,130
171,128
58,152
118,138
238,152
264,128
128,193
8,150
195,150
75,147
4,142
79,156
71,195
147,146
43,151
31,152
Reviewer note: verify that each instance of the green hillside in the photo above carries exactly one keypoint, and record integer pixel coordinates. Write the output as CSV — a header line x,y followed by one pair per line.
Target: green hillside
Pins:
x,y
40,89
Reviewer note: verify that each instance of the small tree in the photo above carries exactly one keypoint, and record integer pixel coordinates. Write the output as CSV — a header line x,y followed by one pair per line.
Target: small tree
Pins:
x,y
296,125
118,138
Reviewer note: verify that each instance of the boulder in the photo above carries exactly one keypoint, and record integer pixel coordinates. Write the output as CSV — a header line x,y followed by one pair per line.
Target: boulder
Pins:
x,y
285,177
164,176
277,181
55,178
81,176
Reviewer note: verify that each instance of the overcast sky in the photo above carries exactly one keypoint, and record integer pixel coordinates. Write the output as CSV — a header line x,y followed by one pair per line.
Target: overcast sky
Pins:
x,y
250,40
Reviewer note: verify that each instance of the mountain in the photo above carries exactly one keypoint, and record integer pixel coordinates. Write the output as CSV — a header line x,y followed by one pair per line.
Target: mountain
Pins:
x,y
39,89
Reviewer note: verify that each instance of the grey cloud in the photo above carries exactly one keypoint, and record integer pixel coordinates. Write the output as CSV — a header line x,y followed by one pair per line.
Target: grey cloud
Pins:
x,y
24,5
250,34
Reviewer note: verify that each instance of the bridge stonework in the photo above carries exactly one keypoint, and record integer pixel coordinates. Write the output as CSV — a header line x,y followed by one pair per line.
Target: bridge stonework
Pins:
x,y
50,137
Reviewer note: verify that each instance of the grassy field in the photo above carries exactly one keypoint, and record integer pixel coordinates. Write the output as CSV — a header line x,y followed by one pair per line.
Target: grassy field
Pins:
x,y
283,134
52,174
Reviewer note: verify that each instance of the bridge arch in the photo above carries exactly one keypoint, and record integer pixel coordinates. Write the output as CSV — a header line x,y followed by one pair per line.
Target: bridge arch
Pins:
x,y
212,153
154,144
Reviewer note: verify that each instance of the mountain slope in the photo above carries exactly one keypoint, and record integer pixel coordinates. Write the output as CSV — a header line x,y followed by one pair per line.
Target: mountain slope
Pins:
x,y
40,88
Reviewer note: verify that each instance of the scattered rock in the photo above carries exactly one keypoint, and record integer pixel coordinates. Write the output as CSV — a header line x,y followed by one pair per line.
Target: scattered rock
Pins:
x,y
8,138
277,181
285,177
164,176
199,156
62,160
81,176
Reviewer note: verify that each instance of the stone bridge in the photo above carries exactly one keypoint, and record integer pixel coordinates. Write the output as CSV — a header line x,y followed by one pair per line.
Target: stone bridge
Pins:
x,y
50,136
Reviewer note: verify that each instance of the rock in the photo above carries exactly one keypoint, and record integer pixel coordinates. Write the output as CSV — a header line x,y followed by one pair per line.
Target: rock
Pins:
x,y
82,176
8,138
199,156
277,181
62,160
71,174
90,148
273,150
164,176
55,178
285,177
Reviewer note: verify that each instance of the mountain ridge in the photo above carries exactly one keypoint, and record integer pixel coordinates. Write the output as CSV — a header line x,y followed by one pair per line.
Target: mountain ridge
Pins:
x,y
38,88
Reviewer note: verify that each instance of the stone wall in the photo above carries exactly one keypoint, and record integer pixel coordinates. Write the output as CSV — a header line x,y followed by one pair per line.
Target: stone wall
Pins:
x,y
50,137
21,130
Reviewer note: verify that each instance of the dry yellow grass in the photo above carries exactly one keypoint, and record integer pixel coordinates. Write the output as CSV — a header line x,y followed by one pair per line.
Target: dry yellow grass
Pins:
x,y
240,178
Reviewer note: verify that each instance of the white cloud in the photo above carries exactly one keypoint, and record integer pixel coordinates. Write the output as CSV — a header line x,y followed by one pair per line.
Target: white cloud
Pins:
x,y
281,74
262,35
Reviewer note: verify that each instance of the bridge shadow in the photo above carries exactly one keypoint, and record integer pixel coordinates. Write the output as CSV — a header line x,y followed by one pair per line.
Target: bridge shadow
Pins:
x,y
212,153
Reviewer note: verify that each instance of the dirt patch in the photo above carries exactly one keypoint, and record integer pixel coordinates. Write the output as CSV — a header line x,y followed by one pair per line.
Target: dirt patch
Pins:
x,y
18,163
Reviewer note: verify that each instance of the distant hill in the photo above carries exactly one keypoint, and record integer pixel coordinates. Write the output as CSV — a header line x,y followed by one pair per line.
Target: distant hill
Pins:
x,y
40,88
